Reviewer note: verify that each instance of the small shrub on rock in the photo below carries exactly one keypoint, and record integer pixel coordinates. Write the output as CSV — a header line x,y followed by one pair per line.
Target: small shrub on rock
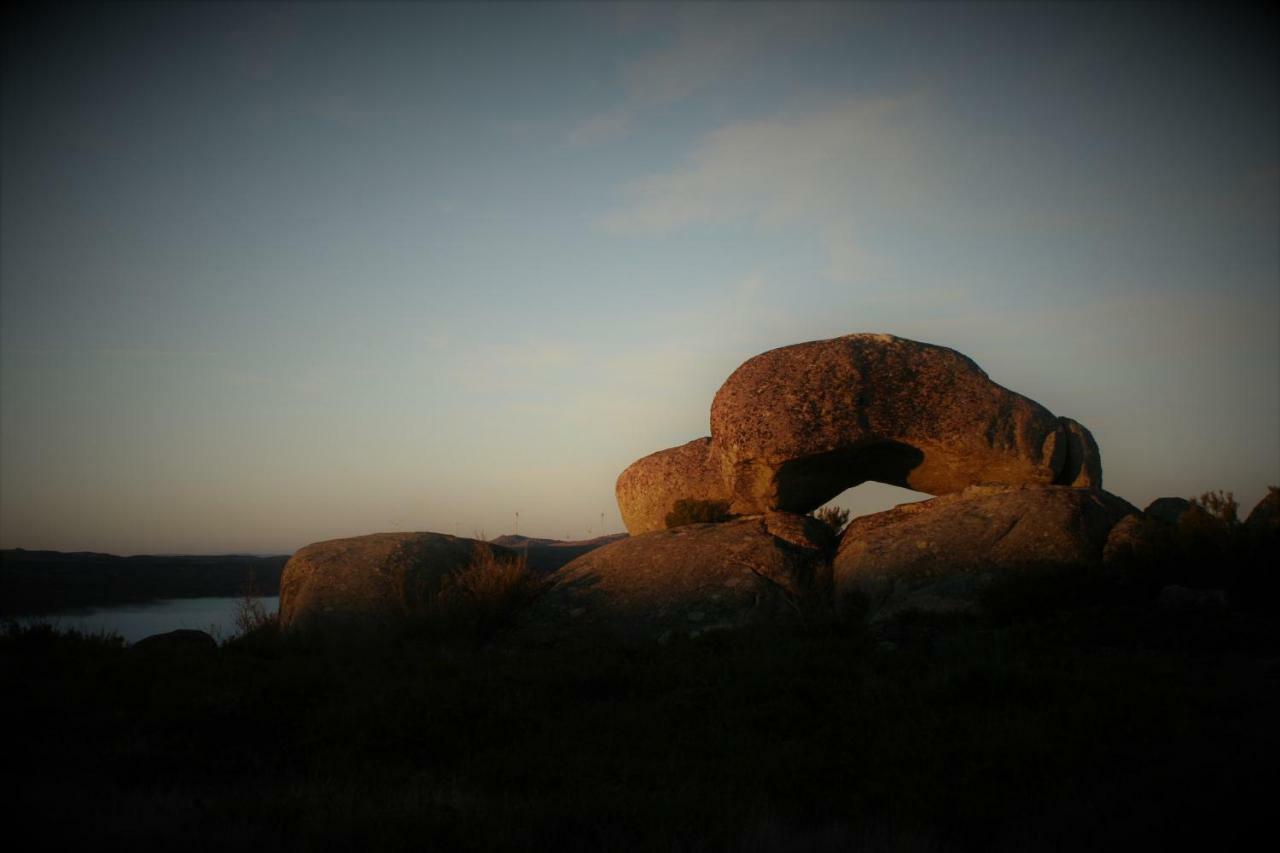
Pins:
x,y
835,517
689,511
1219,505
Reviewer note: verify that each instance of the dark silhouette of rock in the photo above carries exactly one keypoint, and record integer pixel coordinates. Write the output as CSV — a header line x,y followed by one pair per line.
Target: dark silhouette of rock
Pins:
x,y
690,580
370,581
795,426
940,555
1266,515
182,641
1167,510
650,487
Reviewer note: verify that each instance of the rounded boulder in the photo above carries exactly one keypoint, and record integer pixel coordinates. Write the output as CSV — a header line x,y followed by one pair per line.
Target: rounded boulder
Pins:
x,y
370,581
690,580
795,426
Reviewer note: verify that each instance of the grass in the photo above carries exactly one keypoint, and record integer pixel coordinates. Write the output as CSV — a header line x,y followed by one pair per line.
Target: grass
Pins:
x,y
1081,717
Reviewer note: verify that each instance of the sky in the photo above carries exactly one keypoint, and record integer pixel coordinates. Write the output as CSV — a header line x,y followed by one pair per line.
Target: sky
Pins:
x,y
272,274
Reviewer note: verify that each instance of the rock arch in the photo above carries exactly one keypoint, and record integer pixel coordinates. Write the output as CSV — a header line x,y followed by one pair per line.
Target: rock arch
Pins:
x,y
793,427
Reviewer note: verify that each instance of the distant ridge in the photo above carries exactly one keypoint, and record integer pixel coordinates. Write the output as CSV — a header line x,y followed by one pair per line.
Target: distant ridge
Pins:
x,y
546,555
33,582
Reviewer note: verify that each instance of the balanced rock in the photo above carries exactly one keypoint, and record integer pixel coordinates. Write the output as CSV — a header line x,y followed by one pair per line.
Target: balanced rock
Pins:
x,y
370,581
941,555
649,488
689,580
794,427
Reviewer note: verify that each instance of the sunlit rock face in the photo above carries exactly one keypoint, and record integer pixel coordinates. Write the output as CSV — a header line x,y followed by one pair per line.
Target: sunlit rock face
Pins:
x,y
691,580
795,426
941,555
649,487
368,582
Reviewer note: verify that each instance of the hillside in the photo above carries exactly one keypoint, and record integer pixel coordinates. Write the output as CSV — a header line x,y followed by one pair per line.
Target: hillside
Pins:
x,y
33,582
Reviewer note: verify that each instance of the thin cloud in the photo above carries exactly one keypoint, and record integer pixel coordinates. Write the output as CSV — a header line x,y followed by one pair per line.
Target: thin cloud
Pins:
x,y
825,169
600,128
709,44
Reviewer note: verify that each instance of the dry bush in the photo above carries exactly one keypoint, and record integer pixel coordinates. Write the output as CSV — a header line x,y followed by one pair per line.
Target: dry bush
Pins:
x,y
250,615
689,511
835,517
486,595
1220,505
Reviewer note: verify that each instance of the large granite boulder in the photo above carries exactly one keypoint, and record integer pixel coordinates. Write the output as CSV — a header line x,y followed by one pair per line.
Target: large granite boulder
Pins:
x,y
649,488
370,581
687,581
942,555
794,427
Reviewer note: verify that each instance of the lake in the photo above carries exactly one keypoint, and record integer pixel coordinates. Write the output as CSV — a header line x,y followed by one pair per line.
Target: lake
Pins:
x,y
217,616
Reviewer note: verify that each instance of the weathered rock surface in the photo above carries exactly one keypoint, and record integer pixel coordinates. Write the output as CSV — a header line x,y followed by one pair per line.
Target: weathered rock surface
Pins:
x,y
940,555
649,487
1135,537
370,581
1082,467
794,427
688,581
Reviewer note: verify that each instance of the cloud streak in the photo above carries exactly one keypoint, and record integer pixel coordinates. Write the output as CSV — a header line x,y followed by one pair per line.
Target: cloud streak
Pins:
x,y
826,169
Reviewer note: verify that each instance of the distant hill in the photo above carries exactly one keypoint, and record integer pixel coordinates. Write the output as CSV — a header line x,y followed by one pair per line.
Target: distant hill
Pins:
x,y
33,582
546,555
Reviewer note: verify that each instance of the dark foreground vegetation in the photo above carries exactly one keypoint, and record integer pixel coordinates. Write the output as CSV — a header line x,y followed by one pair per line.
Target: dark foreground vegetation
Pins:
x,y
1099,712
48,581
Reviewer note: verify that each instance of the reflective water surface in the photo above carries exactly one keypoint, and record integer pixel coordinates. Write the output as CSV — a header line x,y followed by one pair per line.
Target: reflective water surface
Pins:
x,y
135,621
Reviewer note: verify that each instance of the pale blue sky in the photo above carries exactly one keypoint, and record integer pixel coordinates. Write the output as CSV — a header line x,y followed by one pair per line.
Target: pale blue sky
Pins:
x,y
273,274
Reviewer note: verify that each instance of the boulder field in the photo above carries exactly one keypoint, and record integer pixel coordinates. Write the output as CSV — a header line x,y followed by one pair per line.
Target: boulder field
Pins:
x,y
1018,495
796,426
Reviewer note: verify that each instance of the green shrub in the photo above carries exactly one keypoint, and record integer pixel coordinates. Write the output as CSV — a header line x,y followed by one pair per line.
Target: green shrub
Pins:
x,y
835,517
690,511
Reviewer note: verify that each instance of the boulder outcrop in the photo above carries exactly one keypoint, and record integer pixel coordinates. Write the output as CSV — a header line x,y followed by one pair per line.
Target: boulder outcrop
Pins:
x,y
941,555
370,581
649,487
795,426
690,580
